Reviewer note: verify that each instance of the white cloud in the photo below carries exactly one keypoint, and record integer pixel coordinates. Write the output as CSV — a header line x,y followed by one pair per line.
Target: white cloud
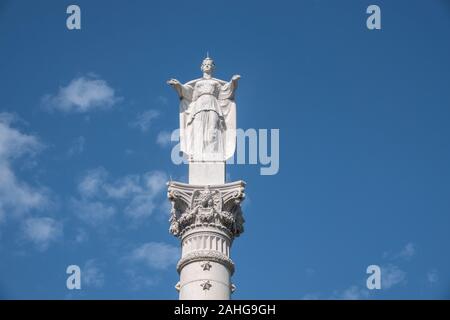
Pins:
x,y
144,120
164,138
16,196
82,95
405,253
89,209
140,206
145,197
137,195
408,251
392,275
13,143
42,231
123,187
155,181
92,212
91,275
137,281
77,146
92,182
354,293
157,255
8,118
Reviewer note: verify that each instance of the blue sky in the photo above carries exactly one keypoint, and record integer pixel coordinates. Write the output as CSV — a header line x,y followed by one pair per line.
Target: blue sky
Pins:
x,y
364,145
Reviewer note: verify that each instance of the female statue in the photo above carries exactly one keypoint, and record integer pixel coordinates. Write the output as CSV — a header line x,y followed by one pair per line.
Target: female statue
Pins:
x,y
207,115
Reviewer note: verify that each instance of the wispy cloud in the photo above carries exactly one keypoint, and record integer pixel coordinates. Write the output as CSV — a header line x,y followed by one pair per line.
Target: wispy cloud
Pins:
x,y
145,201
145,119
92,212
136,195
92,182
392,275
14,143
156,255
42,231
138,281
406,253
8,118
164,138
16,196
89,208
91,275
354,293
82,94
123,187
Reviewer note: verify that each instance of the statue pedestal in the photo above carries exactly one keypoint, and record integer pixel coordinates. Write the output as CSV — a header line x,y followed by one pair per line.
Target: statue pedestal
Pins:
x,y
206,172
206,218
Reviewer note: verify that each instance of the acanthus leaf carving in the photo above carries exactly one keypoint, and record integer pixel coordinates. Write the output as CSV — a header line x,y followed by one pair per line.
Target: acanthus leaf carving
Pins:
x,y
218,206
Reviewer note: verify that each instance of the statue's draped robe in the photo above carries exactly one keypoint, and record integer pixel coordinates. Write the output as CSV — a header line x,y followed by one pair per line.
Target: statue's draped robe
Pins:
x,y
207,119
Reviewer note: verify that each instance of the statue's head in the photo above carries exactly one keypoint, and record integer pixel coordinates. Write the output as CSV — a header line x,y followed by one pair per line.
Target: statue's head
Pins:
x,y
208,65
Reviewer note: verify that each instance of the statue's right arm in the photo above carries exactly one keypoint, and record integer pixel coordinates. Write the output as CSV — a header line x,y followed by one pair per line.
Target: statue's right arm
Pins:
x,y
177,86
184,91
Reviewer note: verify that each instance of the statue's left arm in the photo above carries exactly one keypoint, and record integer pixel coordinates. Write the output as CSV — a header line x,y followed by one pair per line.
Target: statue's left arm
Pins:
x,y
228,88
235,79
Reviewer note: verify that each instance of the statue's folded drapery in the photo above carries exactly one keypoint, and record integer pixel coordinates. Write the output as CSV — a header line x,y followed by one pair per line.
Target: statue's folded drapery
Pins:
x,y
207,119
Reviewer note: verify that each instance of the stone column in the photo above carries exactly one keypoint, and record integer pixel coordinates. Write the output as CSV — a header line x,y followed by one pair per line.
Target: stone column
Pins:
x,y
206,218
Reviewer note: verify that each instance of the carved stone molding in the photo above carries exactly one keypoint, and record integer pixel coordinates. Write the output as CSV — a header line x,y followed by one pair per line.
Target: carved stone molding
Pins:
x,y
203,255
217,206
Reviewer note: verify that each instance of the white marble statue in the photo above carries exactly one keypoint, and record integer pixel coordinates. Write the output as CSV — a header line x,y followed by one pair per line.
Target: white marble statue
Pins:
x,y
207,115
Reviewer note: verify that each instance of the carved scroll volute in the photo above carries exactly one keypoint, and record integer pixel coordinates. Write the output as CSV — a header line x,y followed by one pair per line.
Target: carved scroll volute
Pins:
x,y
216,206
179,206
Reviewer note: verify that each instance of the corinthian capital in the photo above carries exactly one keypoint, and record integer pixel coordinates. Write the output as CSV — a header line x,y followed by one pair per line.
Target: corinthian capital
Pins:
x,y
217,206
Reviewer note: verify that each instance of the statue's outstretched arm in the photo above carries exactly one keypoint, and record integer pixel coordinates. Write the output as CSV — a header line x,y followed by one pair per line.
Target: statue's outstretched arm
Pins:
x,y
235,78
176,85
234,81
183,91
